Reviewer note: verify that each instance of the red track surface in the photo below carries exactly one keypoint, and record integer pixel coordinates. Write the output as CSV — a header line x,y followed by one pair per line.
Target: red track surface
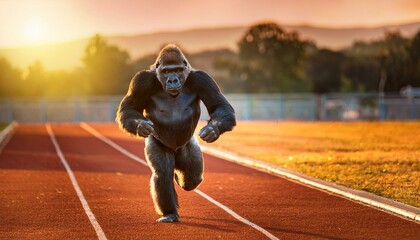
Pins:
x,y
38,201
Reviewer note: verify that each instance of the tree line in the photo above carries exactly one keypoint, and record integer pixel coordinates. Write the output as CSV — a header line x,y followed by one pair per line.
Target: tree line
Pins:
x,y
272,60
105,70
269,60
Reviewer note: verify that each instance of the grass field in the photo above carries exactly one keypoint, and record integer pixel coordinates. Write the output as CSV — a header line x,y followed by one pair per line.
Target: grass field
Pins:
x,y
378,157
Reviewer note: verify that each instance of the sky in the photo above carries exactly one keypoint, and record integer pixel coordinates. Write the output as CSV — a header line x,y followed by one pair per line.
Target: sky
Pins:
x,y
26,22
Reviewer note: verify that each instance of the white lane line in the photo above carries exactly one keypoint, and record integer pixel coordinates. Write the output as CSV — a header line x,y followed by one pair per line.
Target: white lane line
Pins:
x,y
6,135
137,159
318,184
99,232
235,215
95,133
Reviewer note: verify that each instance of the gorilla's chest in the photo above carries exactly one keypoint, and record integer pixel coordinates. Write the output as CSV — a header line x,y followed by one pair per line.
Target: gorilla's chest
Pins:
x,y
174,118
167,109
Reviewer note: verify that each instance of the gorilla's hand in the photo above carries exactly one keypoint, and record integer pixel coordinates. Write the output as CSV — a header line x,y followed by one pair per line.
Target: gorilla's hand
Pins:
x,y
209,133
144,128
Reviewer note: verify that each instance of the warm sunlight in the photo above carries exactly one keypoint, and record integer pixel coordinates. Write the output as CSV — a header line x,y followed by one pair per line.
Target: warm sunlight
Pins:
x,y
35,32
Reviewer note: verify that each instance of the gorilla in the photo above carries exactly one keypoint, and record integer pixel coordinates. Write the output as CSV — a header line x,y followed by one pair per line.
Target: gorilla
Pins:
x,y
162,105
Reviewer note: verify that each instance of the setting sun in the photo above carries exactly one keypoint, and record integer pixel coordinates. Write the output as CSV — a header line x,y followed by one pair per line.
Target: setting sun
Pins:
x,y
35,32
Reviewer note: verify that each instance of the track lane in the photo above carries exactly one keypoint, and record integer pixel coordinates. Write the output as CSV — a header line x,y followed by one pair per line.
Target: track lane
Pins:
x,y
99,232
117,189
117,147
37,200
287,209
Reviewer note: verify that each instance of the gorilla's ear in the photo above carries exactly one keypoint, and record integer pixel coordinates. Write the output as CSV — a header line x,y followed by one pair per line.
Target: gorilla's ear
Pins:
x,y
157,65
185,62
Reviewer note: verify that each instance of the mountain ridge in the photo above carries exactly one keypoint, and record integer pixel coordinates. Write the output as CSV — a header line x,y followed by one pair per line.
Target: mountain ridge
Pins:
x,y
67,55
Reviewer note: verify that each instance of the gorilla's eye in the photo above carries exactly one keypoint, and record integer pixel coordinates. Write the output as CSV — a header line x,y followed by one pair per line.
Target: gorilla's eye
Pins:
x,y
172,70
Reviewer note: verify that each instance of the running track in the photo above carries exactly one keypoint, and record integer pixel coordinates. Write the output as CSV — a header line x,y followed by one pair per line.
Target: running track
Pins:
x,y
38,199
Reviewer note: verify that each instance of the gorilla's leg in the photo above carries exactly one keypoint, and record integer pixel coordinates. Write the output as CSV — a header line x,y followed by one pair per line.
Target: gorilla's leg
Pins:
x,y
162,162
189,165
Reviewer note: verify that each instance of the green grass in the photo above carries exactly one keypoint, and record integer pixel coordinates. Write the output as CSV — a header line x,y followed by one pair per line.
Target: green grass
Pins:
x,y
378,157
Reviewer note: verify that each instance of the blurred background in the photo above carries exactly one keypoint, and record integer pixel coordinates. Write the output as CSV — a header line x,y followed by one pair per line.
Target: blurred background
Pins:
x,y
72,60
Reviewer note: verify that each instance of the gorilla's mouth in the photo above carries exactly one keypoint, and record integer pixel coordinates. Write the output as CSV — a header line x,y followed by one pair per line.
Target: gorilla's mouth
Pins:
x,y
173,91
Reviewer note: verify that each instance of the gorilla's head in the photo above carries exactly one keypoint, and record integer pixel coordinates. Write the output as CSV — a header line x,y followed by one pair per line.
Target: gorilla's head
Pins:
x,y
172,69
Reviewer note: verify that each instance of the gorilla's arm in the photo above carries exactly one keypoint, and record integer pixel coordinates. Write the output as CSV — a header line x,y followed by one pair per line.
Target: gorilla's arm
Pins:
x,y
130,112
222,115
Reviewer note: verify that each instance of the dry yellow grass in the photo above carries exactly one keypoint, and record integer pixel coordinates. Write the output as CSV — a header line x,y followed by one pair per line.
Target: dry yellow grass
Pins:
x,y
379,157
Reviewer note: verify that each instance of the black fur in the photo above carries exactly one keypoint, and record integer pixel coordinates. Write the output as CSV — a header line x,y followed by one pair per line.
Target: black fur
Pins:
x,y
168,122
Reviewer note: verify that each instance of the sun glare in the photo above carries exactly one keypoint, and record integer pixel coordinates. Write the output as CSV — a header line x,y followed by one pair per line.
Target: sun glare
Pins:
x,y
35,32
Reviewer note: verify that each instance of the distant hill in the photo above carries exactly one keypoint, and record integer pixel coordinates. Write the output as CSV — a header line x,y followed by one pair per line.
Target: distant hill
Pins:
x,y
339,38
67,55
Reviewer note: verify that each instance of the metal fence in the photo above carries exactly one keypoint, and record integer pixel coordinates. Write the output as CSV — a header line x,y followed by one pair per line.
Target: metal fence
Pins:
x,y
327,107
72,109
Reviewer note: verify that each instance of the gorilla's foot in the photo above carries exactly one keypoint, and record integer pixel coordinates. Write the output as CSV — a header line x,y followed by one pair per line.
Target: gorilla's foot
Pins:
x,y
173,217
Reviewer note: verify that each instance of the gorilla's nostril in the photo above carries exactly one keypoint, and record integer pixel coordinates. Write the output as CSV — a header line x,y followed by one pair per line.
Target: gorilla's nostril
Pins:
x,y
173,80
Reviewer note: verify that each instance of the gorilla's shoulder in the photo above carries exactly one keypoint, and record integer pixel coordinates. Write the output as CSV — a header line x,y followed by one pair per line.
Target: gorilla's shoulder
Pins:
x,y
198,75
145,75
201,81
145,80
199,78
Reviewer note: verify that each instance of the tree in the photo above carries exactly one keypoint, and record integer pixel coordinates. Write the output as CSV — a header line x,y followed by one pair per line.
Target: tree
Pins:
x,y
413,72
388,58
34,80
324,70
9,79
65,83
106,67
230,74
272,59
362,73
394,58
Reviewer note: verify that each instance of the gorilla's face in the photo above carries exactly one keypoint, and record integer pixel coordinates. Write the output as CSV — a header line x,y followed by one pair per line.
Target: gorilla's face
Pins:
x,y
172,77
172,70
